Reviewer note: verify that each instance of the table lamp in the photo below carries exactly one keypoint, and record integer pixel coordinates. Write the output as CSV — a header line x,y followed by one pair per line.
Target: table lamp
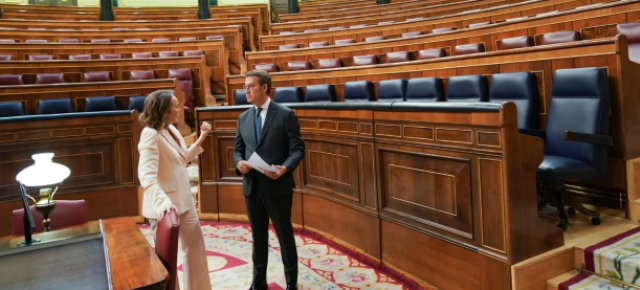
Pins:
x,y
43,175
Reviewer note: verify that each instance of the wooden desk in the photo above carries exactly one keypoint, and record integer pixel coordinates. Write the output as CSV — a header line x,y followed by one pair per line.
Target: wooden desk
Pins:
x,y
114,251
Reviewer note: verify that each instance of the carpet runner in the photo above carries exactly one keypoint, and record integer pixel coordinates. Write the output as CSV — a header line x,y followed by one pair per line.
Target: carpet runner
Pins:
x,y
615,259
322,264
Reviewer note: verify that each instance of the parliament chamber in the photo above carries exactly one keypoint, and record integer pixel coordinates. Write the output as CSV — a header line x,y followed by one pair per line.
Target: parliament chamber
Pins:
x,y
459,144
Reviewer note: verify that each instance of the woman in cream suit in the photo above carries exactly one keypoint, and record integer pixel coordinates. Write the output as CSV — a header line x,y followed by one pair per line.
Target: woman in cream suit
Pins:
x,y
163,175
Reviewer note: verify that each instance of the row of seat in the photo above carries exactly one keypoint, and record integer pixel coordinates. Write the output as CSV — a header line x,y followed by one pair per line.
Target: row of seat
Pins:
x,y
520,88
63,106
106,40
135,55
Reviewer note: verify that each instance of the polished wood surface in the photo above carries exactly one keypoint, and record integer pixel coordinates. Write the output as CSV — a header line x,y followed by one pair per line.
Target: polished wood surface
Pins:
x,y
100,151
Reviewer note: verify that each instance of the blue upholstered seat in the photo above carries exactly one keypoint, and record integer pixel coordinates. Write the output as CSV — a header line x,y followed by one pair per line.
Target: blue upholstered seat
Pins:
x,y
55,106
520,88
288,95
137,103
471,88
392,90
240,97
11,109
358,91
425,90
99,104
320,93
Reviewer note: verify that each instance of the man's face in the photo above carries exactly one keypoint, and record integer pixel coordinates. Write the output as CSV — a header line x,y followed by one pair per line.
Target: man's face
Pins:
x,y
255,92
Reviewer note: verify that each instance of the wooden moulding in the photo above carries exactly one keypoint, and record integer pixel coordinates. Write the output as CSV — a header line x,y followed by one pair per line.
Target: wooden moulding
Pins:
x,y
367,189
102,162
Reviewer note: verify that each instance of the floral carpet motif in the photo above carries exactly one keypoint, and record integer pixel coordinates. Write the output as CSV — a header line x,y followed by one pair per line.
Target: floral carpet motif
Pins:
x,y
321,265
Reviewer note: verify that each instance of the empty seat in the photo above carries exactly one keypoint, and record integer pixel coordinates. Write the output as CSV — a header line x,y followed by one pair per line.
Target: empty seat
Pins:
x,y
214,37
55,106
67,213
138,55
51,78
557,37
99,104
374,39
468,48
411,34
185,84
471,88
142,28
515,42
192,53
319,44
11,109
287,33
414,19
632,31
137,103
398,56
443,29
425,90
344,41
90,29
320,93
392,90
288,95
520,88
364,60
297,65
329,63
70,40
431,53
287,46
7,41
358,26
5,57
516,18
40,57
134,40
187,39
11,80
386,22
336,28
100,76
79,56
99,41
358,91
268,67
36,41
163,54
110,56
142,75
478,24
311,30
120,29
240,97
160,40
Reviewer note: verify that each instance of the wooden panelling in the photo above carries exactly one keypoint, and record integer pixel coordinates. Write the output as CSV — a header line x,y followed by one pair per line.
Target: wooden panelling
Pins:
x,y
491,186
455,136
489,139
225,153
418,132
332,167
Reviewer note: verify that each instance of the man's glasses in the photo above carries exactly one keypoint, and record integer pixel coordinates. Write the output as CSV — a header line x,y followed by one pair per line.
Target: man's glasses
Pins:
x,y
251,86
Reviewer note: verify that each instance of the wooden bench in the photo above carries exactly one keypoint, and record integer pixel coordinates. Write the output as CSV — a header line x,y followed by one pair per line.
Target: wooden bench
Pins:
x,y
328,5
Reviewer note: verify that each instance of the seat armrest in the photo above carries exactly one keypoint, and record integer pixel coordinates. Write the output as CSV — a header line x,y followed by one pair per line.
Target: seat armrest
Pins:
x,y
588,138
534,132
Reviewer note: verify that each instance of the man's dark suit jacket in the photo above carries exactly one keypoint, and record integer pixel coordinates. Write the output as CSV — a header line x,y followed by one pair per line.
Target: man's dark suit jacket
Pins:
x,y
280,144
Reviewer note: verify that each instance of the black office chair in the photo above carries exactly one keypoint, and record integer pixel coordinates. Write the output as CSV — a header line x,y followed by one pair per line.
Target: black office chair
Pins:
x,y
576,139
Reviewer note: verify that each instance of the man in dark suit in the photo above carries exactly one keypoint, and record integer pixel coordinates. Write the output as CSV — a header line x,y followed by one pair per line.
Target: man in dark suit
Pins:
x,y
273,132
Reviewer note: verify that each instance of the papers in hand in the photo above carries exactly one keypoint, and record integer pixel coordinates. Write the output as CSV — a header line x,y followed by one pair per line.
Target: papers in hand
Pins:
x,y
259,164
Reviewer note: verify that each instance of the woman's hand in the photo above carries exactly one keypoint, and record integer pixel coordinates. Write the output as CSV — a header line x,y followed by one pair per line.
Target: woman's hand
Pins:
x,y
205,128
164,210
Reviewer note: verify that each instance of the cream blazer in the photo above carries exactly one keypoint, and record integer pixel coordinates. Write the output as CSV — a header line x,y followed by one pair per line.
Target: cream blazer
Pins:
x,y
162,171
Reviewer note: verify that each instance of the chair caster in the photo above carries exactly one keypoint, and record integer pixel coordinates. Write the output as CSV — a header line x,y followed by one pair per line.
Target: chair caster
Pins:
x,y
563,226
596,221
571,210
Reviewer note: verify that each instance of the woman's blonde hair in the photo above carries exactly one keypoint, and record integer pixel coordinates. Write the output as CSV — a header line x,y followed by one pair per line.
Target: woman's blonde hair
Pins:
x,y
156,106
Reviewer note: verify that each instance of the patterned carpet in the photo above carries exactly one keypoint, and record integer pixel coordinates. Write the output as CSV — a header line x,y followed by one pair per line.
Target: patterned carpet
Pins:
x,y
322,266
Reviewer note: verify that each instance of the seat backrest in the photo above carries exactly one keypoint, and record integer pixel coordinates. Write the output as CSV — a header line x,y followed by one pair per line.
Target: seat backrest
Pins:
x,y
11,109
160,40
100,41
110,56
297,65
54,106
471,88
192,53
183,74
425,90
344,41
100,104
137,103
431,53
71,40
40,57
54,78
5,57
133,40
631,30
185,85
288,46
411,34
268,67
386,22
478,24
515,42
398,56
66,213
120,29
392,90
142,75
36,41
320,93
520,88
443,29
319,44
214,37
580,102
166,243
358,91
138,55
329,63
10,80
364,60
311,30
358,26
337,28
557,37
288,95
187,39
240,97
7,41
168,54
79,56
99,76
374,38
468,48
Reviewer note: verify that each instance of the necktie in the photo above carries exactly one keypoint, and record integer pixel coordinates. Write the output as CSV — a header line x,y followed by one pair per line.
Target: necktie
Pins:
x,y
258,123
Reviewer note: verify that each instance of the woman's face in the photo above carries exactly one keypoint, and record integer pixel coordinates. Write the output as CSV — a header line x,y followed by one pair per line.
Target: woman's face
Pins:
x,y
174,111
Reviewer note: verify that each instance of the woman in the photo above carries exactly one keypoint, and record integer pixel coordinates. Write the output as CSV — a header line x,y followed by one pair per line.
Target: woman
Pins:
x,y
163,175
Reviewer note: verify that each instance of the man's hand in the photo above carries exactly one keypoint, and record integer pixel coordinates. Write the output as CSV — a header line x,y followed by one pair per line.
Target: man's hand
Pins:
x,y
244,167
282,170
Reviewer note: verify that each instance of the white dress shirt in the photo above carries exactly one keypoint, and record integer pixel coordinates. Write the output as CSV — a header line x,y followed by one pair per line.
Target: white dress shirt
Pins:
x,y
263,113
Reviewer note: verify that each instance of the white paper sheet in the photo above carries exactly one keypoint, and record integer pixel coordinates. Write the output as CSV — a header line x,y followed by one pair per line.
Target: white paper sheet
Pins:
x,y
259,164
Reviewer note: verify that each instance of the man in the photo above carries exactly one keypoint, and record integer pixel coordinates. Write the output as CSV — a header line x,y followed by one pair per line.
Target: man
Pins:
x,y
273,132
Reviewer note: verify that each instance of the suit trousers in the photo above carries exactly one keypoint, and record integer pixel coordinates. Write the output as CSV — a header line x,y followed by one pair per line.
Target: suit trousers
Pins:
x,y
194,262
260,208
